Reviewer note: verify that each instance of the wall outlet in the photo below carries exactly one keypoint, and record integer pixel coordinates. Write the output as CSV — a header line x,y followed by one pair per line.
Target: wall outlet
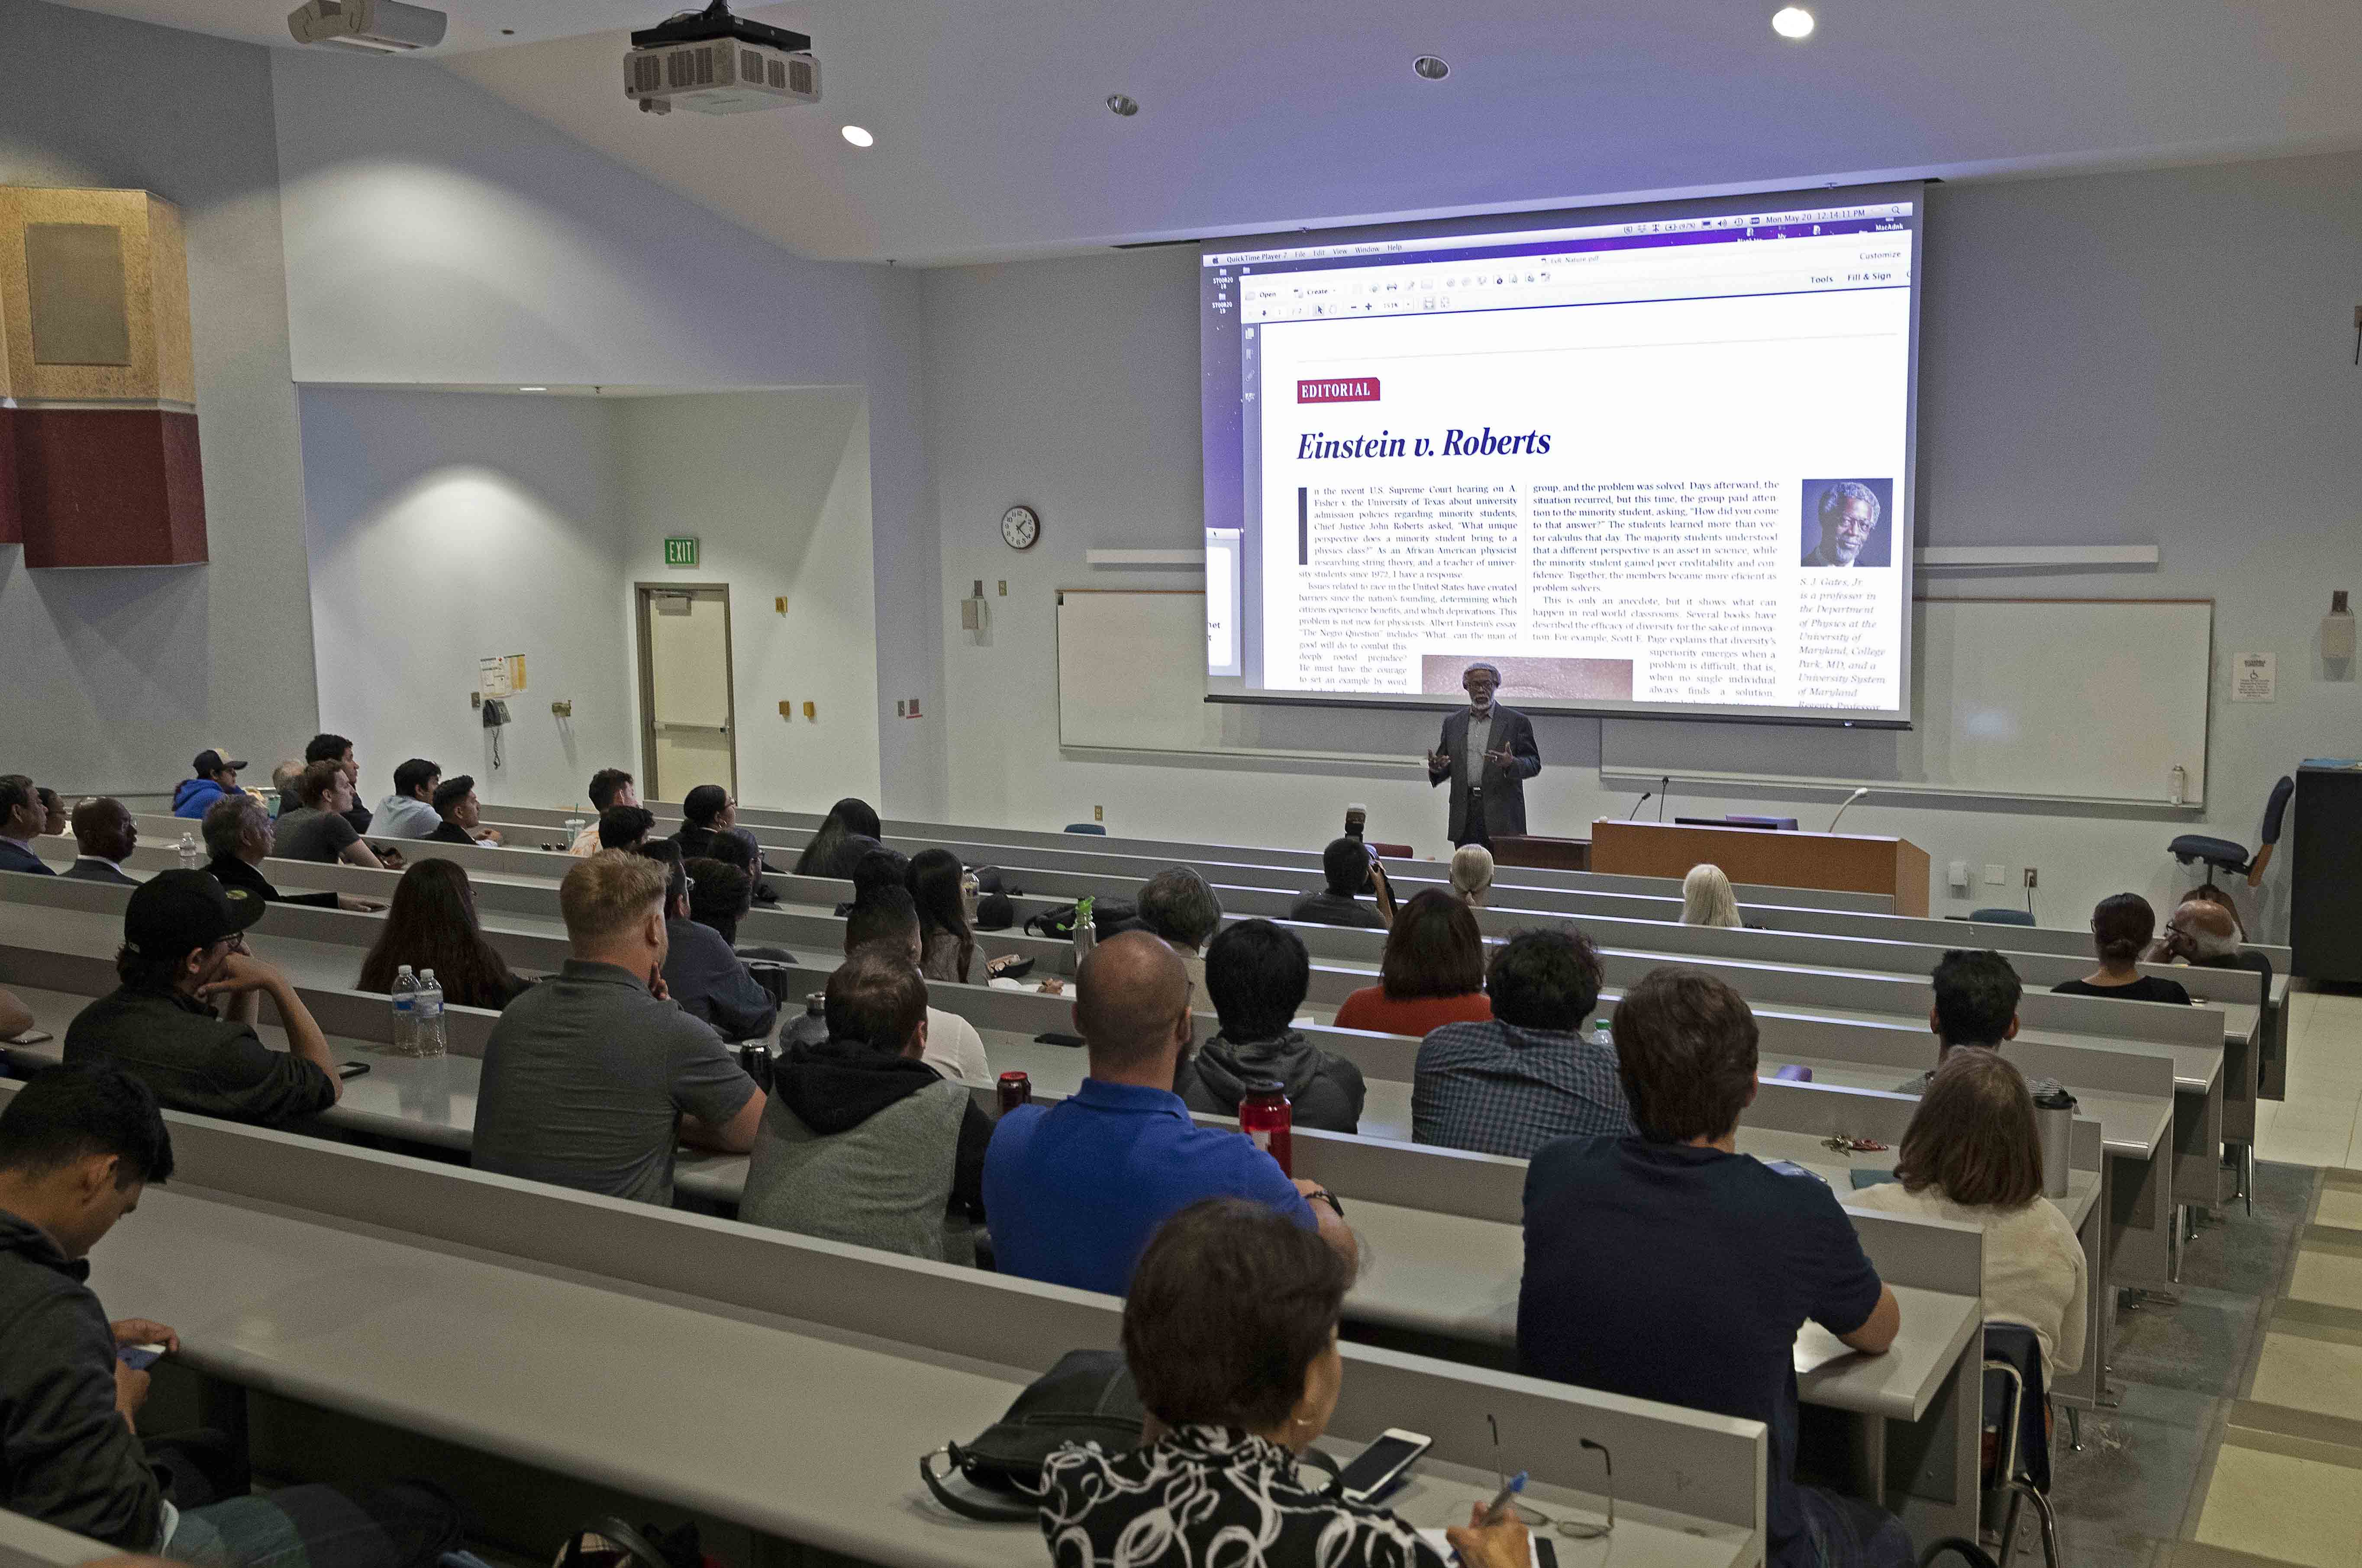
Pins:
x,y
1099,814
780,604
1959,874
902,709
812,711
2029,876
1996,876
787,708
1004,588
563,707
475,699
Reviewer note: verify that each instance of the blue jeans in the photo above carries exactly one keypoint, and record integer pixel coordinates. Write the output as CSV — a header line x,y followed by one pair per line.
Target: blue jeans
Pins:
x,y
399,1526
1850,1533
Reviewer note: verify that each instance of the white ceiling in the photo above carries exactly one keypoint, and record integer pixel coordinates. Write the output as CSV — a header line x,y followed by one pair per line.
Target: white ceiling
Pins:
x,y
994,138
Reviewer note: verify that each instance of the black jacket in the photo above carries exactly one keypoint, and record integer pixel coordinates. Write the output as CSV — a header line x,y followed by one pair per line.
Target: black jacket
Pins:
x,y
66,1457
1324,1089
231,871
833,1086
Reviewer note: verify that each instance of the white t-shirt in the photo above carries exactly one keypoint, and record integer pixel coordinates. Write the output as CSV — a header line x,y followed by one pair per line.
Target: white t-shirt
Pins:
x,y
2033,1265
956,1050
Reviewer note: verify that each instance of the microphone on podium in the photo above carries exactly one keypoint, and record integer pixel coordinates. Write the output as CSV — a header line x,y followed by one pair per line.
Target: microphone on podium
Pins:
x,y
1664,793
1639,803
1841,810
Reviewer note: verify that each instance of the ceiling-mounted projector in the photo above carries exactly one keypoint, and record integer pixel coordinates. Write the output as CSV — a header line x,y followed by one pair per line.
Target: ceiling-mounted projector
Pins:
x,y
716,64
380,27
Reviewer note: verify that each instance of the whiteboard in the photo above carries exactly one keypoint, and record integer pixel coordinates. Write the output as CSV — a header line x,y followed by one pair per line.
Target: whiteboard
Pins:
x,y
2089,701
2084,700
1131,672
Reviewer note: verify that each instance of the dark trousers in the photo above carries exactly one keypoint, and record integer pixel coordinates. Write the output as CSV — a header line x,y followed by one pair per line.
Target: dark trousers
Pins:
x,y
1472,825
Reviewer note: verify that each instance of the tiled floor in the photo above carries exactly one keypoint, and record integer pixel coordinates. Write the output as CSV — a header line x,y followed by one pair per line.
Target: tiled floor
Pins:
x,y
2287,1482
2317,1123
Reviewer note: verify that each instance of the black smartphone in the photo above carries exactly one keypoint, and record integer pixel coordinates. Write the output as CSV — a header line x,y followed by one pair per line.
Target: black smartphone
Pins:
x,y
1074,1041
352,1069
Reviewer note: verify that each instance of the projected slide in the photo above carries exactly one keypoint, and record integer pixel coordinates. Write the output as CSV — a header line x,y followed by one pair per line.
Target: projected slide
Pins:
x,y
1659,464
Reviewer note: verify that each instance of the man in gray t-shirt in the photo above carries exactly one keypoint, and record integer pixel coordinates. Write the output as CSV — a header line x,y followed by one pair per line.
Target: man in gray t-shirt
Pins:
x,y
591,1076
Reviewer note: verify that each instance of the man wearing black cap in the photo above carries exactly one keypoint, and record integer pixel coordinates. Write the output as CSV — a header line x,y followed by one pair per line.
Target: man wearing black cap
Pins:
x,y
181,949
1488,753
216,776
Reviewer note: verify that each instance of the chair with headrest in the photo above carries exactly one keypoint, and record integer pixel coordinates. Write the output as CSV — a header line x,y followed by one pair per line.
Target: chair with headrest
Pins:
x,y
2002,916
2223,855
1098,827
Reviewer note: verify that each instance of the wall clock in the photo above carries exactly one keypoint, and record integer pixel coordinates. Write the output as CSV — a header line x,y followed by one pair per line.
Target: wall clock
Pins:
x,y
1019,526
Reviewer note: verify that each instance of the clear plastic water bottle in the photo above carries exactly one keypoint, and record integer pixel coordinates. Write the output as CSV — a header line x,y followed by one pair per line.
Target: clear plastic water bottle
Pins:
x,y
433,1041
405,1012
1601,1035
189,858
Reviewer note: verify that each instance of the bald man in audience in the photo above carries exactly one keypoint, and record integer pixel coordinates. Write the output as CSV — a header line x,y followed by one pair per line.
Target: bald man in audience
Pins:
x,y
104,836
1076,1189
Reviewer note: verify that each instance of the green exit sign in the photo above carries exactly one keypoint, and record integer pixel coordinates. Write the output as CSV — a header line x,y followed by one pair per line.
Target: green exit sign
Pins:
x,y
681,551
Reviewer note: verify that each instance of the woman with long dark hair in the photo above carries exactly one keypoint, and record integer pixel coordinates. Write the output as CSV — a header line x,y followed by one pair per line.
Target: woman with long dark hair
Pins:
x,y
432,926
947,940
851,831
1432,973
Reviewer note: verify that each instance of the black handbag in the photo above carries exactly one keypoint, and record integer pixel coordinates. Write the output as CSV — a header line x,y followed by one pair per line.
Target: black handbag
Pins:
x,y
1089,1397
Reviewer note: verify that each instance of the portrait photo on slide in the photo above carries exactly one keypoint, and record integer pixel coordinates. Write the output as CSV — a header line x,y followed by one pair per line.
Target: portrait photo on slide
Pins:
x,y
1846,522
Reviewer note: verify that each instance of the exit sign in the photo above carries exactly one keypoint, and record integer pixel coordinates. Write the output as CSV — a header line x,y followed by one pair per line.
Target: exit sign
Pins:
x,y
681,551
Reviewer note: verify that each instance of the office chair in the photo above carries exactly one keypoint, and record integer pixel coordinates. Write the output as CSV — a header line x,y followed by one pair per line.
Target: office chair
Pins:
x,y
2014,1401
2222,854
2002,916
1098,827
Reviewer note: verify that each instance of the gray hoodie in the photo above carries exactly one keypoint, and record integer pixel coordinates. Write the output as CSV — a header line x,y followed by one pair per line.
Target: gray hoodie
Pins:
x,y
1324,1089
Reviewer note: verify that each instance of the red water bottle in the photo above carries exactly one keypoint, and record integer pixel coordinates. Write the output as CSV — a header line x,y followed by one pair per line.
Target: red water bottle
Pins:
x,y
1266,1116
1016,1090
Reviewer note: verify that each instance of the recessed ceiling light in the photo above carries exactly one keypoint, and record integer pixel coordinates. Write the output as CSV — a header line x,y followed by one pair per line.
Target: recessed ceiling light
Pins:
x,y
856,135
533,388
1432,67
1122,105
1793,22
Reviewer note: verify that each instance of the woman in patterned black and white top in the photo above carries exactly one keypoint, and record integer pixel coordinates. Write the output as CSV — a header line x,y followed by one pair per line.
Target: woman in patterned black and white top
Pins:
x,y
1231,1331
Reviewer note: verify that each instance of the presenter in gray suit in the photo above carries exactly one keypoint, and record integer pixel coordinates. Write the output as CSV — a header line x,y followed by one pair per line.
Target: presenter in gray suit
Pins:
x,y
1488,753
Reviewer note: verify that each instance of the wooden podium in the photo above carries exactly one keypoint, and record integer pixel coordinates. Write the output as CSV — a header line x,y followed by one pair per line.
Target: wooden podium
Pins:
x,y
1834,862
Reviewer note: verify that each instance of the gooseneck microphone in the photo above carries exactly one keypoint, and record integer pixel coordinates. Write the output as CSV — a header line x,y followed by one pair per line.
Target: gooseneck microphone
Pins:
x,y
1841,810
1639,803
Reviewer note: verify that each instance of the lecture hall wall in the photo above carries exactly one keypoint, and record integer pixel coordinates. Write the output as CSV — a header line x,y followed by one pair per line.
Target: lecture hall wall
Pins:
x,y
492,250
2146,357
111,675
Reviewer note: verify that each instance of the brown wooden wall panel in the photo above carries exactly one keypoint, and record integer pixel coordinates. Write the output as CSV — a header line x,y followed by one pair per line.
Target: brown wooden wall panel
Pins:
x,y
12,521
109,487
1839,863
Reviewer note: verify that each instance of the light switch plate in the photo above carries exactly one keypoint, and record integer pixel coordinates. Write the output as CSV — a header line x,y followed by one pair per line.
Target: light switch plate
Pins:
x,y
1996,876
1959,876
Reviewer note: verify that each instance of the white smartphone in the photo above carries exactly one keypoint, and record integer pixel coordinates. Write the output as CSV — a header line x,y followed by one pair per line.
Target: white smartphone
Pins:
x,y
1380,1467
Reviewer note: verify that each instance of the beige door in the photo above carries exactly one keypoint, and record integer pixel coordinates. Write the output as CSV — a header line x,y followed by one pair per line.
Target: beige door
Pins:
x,y
688,728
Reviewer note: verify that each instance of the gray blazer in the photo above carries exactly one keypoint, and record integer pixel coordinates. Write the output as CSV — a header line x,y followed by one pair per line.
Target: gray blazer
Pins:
x,y
1504,788
98,871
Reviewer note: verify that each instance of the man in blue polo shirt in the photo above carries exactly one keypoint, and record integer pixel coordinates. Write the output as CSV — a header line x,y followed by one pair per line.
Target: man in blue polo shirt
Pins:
x,y
1076,1189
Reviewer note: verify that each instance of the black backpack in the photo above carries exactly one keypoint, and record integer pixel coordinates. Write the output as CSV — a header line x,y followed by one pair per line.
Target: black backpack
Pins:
x,y
1089,1397
1107,916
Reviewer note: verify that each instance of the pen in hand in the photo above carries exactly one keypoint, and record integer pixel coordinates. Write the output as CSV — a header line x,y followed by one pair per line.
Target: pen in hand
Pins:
x,y
1498,1509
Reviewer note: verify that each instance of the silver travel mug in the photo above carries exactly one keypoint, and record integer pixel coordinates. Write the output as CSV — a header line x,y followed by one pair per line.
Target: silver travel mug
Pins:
x,y
2054,1120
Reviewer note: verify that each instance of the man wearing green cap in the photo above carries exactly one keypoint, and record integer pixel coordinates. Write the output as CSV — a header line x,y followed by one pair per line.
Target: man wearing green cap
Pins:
x,y
181,949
